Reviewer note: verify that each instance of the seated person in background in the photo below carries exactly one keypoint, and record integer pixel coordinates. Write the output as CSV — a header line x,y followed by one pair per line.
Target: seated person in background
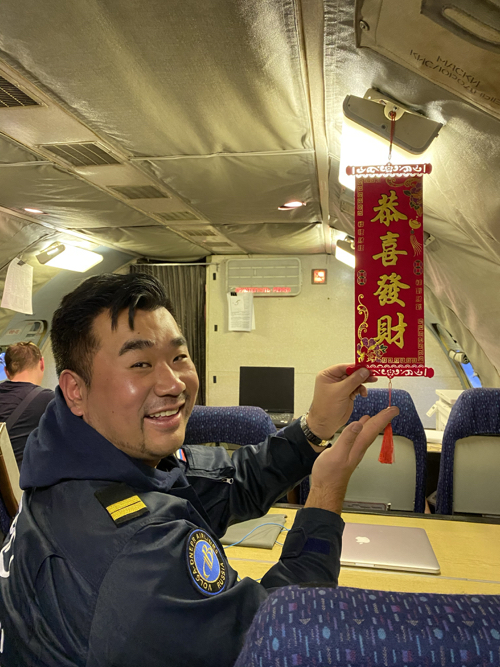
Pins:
x,y
22,400
114,557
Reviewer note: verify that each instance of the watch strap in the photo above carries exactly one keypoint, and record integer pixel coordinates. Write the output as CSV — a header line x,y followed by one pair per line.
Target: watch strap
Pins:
x,y
311,437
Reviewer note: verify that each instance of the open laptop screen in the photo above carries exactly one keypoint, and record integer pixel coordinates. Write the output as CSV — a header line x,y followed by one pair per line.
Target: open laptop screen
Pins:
x,y
267,387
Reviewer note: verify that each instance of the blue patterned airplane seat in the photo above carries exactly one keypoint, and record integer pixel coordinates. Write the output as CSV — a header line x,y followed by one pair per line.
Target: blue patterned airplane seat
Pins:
x,y
243,425
468,473
408,425
349,627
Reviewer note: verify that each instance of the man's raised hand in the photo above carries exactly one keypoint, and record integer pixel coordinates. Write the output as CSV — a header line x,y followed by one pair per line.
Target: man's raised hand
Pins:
x,y
333,400
333,468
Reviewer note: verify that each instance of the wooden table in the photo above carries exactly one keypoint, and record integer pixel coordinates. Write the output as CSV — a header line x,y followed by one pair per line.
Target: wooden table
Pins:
x,y
468,553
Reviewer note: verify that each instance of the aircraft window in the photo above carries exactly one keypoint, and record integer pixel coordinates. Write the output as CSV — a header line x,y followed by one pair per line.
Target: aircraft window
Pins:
x,y
463,367
2,367
472,375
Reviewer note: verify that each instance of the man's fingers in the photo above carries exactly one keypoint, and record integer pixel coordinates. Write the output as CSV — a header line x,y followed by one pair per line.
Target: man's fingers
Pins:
x,y
352,382
335,373
371,428
348,437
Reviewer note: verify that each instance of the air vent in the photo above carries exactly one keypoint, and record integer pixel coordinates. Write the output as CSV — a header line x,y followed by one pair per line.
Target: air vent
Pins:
x,y
138,192
276,276
81,154
199,232
178,215
12,96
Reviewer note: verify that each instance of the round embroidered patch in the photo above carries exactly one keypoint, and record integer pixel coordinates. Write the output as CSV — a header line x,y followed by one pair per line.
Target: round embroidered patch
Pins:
x,y
205,563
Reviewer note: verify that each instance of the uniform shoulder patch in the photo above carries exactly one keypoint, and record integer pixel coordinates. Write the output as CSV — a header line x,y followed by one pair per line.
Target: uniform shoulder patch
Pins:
x,y
205,563
121,502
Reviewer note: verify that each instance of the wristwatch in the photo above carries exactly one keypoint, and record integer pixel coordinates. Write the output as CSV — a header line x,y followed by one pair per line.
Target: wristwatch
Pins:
x,y
313,439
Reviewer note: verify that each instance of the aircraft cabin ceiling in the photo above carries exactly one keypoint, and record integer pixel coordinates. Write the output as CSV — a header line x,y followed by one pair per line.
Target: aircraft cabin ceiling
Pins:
x,y
174,129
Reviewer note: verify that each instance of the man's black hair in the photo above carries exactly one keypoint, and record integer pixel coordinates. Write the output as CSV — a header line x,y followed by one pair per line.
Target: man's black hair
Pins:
x,y
73,340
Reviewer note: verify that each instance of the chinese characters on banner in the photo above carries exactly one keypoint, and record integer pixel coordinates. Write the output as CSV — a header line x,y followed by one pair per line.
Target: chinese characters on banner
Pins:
x,y
389,274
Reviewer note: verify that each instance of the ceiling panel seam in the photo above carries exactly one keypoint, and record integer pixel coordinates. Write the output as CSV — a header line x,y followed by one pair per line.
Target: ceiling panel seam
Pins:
x,y
292,151
311,12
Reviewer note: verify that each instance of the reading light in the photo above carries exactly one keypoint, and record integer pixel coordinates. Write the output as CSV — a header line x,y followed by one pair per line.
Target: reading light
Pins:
x,y
33,210
345,253
366,132
291,204
69,257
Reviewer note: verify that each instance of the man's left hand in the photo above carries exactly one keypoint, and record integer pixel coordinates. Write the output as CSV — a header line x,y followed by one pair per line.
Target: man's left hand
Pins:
x,y
334,394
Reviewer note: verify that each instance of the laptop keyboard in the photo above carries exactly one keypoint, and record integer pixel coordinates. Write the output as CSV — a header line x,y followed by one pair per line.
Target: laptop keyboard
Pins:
x,y
280,418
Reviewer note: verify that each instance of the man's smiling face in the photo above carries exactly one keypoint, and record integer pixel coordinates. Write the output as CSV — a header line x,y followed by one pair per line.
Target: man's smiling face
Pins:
x,y
144,384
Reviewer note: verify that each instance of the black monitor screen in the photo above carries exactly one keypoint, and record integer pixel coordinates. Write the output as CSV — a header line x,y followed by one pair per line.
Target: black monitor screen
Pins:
x,y
267,387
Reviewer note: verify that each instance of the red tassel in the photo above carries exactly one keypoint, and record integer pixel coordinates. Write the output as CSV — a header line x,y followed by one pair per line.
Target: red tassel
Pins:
x,y
387,449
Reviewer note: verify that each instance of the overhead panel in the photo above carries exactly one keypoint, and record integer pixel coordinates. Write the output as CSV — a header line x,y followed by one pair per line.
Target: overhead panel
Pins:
x,y
65,199
11,152
200,78
277,239
199,232
16,234
208,237
138,191
81,154
177,215
245,188
153,242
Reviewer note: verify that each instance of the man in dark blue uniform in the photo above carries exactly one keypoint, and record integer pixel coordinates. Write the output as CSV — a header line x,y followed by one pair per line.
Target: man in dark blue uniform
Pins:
x,y
22,399
114,557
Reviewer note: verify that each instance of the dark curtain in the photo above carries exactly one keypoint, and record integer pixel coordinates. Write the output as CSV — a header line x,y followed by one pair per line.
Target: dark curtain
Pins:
x,y
185,285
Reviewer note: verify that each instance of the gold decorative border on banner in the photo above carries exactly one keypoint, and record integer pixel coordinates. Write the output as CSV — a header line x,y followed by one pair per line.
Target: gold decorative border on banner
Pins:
x,y
387,169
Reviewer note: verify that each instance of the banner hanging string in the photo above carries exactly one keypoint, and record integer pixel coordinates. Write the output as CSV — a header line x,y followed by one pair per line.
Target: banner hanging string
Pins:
x,y
392,115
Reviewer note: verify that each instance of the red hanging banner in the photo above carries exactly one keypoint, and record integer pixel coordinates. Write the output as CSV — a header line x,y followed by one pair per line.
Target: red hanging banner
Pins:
x,y
389,270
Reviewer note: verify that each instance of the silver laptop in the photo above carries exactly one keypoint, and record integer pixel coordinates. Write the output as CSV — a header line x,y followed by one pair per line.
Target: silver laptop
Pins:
x,y
388,548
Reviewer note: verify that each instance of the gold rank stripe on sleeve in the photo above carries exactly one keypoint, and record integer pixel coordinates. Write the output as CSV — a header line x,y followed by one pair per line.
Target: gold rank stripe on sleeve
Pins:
x,y
125,507
121,502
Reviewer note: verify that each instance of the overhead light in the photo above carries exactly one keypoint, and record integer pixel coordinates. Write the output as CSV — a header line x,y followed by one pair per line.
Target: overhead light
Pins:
x,y
345,253
366,132
69,257
291,204
33,210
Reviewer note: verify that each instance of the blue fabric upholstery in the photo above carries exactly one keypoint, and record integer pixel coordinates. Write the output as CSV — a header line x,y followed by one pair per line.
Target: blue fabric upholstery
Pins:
x,y
244,425
406,424
476,412
350,627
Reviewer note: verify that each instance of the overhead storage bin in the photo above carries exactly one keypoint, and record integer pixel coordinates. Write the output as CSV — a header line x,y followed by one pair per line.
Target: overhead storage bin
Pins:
x,y
453,43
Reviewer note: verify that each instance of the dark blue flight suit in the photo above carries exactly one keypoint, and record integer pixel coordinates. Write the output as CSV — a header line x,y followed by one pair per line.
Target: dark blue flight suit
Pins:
x,y
113,563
